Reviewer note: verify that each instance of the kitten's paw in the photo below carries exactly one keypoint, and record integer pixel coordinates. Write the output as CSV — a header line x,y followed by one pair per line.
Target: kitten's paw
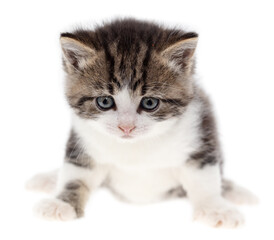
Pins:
x,y
44,182
219,216
55,209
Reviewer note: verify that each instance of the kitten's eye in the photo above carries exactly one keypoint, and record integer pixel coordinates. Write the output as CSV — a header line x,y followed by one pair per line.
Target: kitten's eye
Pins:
x,y
105,103
149,103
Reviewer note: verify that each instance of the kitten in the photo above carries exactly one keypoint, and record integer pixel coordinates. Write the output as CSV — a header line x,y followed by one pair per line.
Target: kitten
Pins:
x,y
140,125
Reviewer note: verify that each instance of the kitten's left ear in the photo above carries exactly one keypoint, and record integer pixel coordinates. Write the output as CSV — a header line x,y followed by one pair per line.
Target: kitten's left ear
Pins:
x,y
76,53
181,52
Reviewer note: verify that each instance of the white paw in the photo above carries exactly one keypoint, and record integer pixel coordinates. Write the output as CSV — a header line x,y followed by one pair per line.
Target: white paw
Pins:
x,y
55,209
44,182
219,215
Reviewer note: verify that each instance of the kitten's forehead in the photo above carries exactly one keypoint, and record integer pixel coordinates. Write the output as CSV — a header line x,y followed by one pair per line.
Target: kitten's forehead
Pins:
x,y
143,74
128,67
126,61
124,99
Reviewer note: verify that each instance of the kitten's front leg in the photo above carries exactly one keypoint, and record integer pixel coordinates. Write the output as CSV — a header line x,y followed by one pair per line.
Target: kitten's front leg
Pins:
x,y
73,189
203,187
78,177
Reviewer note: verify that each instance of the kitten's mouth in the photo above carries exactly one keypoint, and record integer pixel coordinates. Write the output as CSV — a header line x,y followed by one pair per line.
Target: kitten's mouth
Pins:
x,y
127,137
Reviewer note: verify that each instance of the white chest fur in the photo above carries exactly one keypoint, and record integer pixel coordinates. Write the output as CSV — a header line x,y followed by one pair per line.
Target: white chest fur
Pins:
x,y
142,186
143,170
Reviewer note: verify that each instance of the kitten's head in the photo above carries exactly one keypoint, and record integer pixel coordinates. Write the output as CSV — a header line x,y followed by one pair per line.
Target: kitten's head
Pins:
x,y
129,78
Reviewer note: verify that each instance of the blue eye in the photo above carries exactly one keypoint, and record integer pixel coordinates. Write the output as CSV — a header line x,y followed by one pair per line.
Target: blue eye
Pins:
x,y
105,103
149,103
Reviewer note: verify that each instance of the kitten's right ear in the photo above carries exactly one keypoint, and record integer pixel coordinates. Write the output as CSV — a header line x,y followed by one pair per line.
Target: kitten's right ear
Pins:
x,y
75,53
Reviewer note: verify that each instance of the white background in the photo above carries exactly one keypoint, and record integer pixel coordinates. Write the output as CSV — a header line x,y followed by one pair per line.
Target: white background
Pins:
x,y
235,64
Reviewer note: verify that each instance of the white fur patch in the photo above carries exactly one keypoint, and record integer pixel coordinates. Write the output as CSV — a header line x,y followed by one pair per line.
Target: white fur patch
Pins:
x,y
55,209
142,185
200,184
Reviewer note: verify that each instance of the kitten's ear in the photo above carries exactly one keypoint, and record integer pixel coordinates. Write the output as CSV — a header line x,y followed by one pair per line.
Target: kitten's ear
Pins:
x,y
76,53
181,52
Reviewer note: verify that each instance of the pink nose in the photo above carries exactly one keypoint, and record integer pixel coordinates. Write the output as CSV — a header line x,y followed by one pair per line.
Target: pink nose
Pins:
x,y
127,129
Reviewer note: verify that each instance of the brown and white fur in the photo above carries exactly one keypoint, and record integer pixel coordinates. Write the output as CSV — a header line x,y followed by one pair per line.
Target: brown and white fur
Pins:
x,y
142,156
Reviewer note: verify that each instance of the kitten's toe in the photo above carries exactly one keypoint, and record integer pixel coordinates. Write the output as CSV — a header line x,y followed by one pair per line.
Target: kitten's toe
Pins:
x,y
44,182
55,209
227,217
